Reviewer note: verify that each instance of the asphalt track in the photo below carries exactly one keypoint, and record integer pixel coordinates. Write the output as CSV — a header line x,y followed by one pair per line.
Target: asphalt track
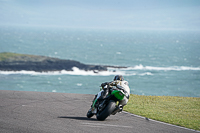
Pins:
x,y
46,112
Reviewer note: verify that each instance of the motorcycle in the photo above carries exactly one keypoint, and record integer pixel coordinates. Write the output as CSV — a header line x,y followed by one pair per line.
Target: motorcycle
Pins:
x,y
104,108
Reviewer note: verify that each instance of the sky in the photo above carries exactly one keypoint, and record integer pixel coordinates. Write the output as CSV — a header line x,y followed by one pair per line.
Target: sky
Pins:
x,y
108,14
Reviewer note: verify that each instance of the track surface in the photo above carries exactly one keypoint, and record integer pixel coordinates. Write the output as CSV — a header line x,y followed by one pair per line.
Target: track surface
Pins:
x,y
46,112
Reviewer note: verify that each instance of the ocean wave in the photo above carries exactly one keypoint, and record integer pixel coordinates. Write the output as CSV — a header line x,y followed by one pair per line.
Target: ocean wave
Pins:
x,y
129,71
77,71
171,68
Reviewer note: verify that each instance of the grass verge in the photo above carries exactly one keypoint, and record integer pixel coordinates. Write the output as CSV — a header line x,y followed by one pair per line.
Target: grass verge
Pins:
x,y
181,111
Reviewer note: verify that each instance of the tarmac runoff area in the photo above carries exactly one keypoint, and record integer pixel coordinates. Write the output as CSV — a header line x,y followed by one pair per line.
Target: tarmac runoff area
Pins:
x,y
48,112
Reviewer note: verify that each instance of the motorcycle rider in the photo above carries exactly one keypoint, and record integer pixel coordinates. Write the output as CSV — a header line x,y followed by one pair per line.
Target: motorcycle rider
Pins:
x,y
118,83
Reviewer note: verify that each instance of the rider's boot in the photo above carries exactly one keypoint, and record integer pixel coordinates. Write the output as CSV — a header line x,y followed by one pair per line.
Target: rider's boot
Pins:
x,y
120,108
117,109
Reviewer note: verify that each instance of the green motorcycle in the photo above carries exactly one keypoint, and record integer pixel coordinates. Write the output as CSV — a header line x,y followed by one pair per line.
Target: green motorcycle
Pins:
x,y
104,108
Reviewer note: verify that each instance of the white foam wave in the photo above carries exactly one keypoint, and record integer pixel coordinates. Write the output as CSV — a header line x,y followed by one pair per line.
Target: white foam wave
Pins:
x,y
171,68
147,73
76,71
130,71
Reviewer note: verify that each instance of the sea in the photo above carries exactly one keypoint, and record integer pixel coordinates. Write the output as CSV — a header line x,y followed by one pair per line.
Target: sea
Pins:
x,y
159,62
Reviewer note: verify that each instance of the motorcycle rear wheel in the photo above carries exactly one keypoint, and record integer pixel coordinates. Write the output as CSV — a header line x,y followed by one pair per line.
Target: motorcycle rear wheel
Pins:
x,y
107,111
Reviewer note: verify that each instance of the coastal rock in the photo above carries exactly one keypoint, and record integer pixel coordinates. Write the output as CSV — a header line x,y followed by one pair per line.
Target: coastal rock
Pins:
x,y
18,62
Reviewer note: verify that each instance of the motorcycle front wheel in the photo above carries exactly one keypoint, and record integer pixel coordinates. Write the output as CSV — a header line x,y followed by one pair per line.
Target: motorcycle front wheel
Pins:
x,y
107,111
89,114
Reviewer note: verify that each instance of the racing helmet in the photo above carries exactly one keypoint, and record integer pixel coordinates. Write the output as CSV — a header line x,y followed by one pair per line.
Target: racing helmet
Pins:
x,y
118,77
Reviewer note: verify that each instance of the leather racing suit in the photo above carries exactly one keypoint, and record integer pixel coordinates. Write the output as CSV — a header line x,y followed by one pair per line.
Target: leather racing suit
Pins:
x,y
122,85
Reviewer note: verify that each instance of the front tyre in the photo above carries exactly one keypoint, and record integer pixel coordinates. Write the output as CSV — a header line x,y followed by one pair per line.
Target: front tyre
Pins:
x,y
89,114
107,111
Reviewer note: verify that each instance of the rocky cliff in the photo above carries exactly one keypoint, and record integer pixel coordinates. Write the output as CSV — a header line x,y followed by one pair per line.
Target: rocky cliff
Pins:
x,y
17,62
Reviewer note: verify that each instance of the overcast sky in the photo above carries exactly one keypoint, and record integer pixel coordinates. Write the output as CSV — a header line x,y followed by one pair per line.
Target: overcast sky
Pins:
x,y
122,14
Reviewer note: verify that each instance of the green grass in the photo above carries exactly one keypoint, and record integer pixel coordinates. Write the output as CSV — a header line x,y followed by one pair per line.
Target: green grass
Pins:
x,y
7,55
181,111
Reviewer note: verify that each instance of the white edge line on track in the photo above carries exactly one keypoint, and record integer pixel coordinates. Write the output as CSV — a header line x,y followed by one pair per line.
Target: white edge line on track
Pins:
x,y
160,122
108,125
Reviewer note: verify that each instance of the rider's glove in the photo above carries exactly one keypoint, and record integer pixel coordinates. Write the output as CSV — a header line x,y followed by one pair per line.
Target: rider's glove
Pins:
x,y
104,84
